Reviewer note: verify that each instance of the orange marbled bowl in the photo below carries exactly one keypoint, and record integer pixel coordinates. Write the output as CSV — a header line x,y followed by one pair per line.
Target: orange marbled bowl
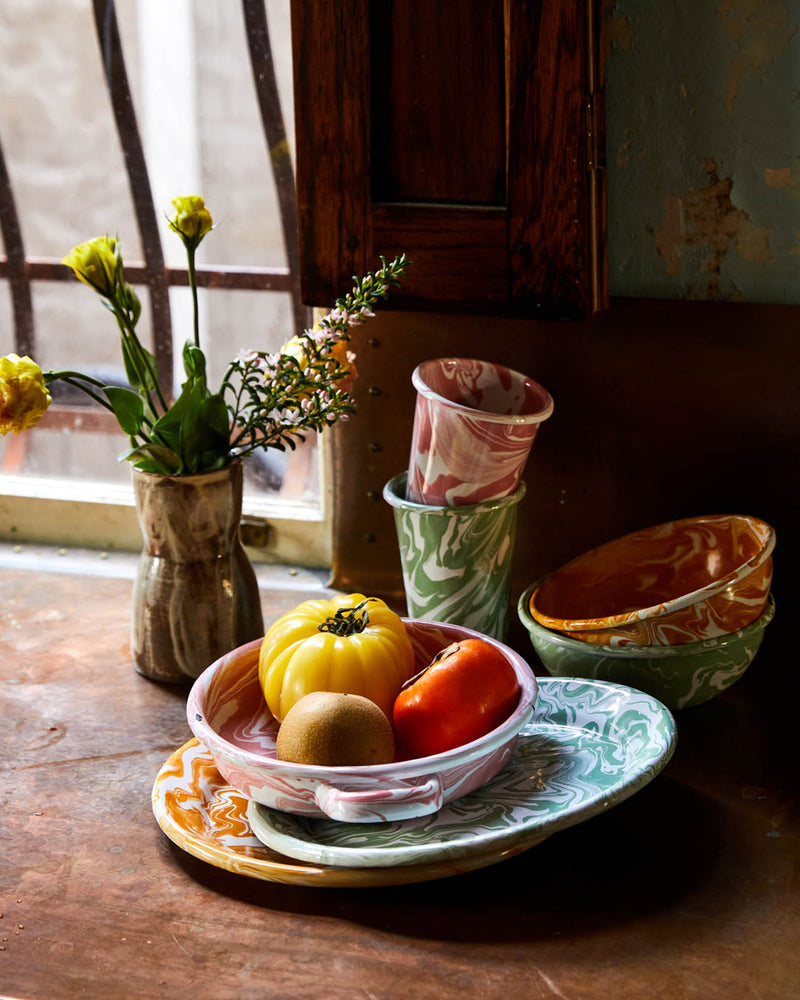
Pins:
x,y
695,578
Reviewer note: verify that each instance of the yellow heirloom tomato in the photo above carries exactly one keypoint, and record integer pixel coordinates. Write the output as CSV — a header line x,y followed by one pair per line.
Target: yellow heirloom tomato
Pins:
x,y
351,645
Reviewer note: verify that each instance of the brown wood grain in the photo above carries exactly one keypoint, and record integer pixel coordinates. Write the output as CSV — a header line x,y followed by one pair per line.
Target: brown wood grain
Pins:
x,y
331,65
548,218
437,129
438,102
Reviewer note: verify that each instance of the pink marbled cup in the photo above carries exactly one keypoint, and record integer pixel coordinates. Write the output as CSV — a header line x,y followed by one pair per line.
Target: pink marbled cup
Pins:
x,y
474,425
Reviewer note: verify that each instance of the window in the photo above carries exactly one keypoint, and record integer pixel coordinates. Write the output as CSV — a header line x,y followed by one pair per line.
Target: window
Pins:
x,y
181,78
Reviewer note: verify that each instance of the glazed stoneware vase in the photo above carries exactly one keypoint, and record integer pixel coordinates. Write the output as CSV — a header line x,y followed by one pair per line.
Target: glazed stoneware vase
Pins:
x,y
195,595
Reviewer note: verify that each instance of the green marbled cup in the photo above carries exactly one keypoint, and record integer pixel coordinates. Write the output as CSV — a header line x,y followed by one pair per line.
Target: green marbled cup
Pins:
x,y
457,560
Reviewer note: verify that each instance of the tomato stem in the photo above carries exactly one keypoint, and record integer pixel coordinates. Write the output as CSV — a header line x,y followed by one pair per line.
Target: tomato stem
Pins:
x,y
441,655
347,621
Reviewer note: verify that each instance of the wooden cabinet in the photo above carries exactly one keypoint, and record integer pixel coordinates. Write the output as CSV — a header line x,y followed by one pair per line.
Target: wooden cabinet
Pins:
x,y
466,133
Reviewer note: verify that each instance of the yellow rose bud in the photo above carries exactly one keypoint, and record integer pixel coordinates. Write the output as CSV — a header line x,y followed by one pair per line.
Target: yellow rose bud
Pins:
x,y
23,394
97,263
192,220
296,348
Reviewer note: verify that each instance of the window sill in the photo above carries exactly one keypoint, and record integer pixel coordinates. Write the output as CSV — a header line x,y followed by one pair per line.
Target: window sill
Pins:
x,y
122,566
60,512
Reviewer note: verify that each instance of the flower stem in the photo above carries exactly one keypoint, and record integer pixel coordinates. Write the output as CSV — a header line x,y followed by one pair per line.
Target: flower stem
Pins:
x,y
139,358
190,252
77,381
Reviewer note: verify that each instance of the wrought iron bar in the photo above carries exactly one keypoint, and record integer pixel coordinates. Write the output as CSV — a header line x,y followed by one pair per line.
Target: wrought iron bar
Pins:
x,y
22,303
266,84
236,278
127,128
20,271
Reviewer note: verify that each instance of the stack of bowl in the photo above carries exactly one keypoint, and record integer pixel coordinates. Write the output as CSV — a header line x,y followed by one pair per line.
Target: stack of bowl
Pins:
x,y
677,610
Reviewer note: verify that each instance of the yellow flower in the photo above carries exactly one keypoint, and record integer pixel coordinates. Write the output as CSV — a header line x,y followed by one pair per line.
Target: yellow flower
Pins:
x,y
296,348
192,220
23,394
97,263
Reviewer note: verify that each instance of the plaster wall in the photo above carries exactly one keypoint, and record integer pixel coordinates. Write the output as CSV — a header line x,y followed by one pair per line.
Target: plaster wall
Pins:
x,y
703,104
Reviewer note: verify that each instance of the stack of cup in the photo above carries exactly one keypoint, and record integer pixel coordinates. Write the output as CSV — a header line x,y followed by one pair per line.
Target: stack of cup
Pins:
x,y
456,507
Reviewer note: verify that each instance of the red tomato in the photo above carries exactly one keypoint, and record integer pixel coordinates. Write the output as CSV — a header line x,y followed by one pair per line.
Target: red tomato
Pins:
x,y
468,690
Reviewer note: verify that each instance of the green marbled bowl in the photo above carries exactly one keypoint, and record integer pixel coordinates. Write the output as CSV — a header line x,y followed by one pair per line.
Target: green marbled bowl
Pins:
x,y
678,676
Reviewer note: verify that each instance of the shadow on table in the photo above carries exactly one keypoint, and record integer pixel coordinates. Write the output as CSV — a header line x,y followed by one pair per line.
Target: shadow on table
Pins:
x,y
639,858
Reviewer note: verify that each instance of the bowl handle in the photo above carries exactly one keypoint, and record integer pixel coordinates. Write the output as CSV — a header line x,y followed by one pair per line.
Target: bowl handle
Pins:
x,y
403,800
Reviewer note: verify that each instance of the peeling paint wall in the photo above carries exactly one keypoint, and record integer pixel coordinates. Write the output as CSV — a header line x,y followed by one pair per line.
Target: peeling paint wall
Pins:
x,y
703,144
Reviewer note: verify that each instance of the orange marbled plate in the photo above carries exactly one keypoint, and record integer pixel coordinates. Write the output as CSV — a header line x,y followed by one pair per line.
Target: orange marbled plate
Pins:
x,y
205,817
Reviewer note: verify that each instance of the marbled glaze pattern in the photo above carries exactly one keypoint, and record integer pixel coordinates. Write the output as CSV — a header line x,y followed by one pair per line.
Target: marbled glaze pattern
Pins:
x,y
226,710
677,582
207,818
474,425
680,676
589,746
457,561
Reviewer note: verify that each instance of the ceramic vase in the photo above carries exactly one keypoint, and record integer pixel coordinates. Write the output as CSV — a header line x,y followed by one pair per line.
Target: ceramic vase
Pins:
x,y
457,561
195,595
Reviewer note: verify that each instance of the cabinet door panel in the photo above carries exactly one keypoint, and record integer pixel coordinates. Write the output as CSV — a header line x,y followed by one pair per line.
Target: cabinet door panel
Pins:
x,y
462,132
437,132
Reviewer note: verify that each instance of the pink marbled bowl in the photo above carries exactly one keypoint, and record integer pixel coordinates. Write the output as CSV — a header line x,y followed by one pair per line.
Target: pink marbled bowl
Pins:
x,y
227,712
678,582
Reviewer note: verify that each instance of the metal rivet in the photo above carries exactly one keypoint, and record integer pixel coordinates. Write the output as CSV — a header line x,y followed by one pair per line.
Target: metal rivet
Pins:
x,y
374,342
370,537
373,495
374,446
373,390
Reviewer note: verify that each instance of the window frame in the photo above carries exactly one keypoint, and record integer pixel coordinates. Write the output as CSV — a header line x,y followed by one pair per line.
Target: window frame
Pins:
x,y
59,511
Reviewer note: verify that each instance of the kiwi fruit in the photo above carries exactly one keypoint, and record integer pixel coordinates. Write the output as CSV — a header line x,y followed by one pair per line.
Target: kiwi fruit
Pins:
x,y
335,730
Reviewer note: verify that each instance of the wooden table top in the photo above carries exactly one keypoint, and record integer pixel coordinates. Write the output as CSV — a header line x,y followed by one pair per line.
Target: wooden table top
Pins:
x,y
686,891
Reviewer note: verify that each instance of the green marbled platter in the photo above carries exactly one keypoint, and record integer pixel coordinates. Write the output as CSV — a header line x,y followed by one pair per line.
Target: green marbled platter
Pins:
x,y
591,744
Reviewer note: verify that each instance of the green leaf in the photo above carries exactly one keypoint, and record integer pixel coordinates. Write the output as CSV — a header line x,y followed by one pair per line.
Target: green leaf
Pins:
x,y
196,427
140,365
128,408
205,438
214,412
194,361
210,461
154,458
167,429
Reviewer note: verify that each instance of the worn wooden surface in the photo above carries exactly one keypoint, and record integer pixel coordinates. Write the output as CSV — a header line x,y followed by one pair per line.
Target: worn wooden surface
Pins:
x,y
688,890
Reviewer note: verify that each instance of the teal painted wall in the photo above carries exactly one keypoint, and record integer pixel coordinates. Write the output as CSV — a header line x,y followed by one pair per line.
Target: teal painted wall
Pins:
x,y
703,149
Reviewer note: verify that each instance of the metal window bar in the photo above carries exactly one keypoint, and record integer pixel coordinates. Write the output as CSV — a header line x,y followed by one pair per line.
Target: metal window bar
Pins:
x,y
20,271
